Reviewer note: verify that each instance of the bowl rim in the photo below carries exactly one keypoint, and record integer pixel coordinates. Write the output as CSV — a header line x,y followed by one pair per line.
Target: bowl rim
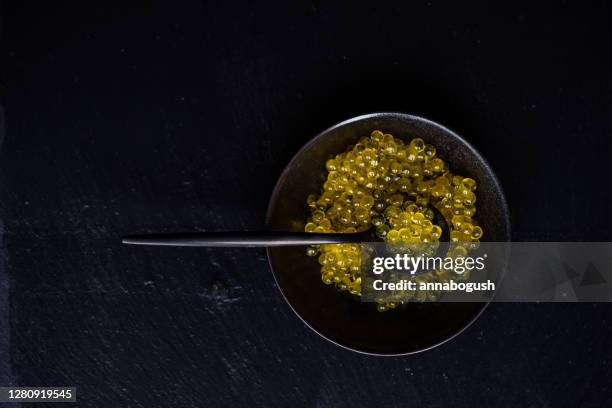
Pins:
x,y
409,117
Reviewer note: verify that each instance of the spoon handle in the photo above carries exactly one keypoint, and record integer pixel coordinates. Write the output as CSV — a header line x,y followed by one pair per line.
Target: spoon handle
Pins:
x,y
242,239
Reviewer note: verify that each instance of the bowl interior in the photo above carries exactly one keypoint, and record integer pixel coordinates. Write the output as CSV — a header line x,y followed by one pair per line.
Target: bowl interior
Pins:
x,y
341,317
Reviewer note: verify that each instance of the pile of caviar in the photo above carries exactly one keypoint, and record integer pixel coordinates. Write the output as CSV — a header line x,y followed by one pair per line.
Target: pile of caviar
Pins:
x,y
384,183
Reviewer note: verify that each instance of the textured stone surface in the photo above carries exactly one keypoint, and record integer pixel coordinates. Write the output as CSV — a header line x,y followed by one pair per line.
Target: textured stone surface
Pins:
x,y
168,117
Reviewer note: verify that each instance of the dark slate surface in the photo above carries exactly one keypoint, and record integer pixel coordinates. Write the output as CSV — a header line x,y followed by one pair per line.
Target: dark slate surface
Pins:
x,y
181,115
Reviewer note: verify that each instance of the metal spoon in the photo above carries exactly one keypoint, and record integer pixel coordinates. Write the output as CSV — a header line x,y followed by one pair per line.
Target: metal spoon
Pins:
x,y
249,239
265,238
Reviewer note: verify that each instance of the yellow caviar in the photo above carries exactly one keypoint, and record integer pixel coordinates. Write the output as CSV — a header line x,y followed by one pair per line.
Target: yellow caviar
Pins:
x,y
384,183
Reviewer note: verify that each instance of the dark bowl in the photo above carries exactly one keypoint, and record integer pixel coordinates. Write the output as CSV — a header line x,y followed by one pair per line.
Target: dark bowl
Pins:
x,y
340,317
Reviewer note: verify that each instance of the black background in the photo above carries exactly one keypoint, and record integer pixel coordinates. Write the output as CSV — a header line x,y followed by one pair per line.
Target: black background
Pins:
x,y
179,116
